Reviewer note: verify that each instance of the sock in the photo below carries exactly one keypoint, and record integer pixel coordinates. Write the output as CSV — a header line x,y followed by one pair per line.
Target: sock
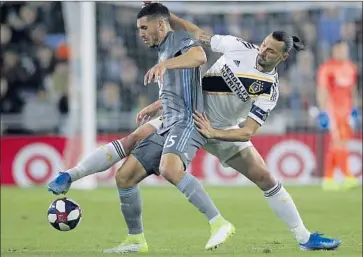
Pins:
x,y
343,162
329,164
99,160
131,206
196,194
284,207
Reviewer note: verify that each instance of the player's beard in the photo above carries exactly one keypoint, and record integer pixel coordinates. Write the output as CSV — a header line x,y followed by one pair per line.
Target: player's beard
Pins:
x,y
261,61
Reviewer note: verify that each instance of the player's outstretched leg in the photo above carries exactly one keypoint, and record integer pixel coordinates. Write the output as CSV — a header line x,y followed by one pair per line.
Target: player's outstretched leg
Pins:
x,y
127,179
100,159
250,163
172,169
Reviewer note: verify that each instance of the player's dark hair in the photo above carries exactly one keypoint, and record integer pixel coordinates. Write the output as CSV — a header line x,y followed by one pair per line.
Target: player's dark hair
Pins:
x,y
290,41
154,10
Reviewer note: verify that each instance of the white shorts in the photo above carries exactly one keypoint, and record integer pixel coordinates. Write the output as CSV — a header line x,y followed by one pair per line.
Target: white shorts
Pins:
x,y
223,150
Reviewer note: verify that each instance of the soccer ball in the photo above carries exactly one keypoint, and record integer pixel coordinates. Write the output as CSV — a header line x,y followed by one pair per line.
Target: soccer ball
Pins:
x,y
64,214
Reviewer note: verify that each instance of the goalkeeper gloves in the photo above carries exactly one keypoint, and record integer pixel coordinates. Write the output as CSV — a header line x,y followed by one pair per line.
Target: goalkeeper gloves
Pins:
x,y
323,120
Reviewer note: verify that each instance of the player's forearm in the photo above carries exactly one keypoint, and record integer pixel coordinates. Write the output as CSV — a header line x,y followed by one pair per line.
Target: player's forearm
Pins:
x,y
190,59
157,105
178,23
233,135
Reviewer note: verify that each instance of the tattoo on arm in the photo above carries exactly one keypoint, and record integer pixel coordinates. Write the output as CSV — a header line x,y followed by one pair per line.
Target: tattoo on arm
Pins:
x,y
204,38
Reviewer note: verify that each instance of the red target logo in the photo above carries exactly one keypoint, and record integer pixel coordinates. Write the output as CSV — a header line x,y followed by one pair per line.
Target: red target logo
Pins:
x,y
291,159
217,174
36,164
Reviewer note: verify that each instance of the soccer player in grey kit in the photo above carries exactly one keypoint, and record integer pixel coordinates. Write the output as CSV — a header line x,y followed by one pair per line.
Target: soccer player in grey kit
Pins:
x,y
169,150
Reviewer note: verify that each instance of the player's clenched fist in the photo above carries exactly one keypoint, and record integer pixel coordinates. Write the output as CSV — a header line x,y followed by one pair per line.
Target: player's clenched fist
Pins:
x,y
155,74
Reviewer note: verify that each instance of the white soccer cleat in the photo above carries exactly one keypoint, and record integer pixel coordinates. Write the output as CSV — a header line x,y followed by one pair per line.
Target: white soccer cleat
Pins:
x,y
221,230
132,244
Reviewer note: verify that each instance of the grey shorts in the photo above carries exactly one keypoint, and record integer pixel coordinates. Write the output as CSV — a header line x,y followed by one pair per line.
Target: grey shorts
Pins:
x,y
183,139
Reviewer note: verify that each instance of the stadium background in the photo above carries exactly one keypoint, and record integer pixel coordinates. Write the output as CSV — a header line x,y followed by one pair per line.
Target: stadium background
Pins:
x,y
38,63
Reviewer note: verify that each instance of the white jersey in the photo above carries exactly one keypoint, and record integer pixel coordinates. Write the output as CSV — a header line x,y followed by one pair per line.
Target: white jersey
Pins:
x,y
233,87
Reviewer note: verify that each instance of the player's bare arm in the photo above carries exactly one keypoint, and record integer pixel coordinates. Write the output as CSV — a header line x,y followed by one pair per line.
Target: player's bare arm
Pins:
x,y
194,57
178,23
243,134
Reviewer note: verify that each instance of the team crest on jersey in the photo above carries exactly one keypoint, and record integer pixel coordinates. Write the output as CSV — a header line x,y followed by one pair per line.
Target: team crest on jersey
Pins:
x,y
256,87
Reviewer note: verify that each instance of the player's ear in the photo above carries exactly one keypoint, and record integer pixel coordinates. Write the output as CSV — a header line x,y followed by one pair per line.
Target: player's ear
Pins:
x,y
285,56
161,24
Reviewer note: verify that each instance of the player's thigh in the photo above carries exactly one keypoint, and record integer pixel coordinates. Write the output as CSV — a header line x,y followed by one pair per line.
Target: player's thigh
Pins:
x,y
148,153
224,150
130,173
250,163
181,145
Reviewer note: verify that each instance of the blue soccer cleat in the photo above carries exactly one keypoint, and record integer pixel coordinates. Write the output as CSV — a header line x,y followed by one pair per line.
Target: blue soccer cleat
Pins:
x,y
61,184
318,242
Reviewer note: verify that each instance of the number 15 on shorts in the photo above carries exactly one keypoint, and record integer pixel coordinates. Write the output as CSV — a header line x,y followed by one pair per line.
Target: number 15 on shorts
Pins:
x,y
170,141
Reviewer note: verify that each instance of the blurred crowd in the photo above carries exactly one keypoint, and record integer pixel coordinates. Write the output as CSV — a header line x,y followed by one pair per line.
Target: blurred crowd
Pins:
x,y
34,68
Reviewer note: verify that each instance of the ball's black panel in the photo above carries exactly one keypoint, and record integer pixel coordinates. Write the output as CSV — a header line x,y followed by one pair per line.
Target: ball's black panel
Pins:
x,y
70,205
56,226
73,223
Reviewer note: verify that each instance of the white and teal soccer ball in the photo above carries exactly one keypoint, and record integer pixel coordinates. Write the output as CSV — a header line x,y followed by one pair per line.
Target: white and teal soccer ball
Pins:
x,y
64,214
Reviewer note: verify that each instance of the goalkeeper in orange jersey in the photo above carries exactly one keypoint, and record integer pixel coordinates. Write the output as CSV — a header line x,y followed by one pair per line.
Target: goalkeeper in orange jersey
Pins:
x,y
337,91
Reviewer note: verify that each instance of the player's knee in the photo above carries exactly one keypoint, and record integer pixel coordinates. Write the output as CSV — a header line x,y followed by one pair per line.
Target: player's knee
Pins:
x,y
136,137
262,177
124,179
171,171
168,172
141,133
129,142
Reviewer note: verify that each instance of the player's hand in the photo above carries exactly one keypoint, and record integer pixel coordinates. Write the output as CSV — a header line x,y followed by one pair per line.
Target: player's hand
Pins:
x,y
146,114
155,74
203,124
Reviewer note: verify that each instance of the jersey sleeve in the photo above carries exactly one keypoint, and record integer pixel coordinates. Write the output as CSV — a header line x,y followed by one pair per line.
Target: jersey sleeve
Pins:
x,y
263,105
184,41
229,44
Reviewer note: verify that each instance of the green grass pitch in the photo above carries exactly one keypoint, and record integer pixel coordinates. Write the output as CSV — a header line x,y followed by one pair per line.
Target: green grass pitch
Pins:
x,y
174,228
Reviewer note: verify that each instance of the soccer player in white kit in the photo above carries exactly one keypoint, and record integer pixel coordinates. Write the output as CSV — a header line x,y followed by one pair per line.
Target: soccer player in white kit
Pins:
x,y
240,91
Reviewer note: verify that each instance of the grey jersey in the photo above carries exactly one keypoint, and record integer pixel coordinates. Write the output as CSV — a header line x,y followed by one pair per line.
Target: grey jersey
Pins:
x,y
181,91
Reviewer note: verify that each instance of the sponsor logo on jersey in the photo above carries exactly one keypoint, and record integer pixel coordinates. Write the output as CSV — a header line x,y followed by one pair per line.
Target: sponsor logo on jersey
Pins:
x,y
234,83
237,62
256,87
